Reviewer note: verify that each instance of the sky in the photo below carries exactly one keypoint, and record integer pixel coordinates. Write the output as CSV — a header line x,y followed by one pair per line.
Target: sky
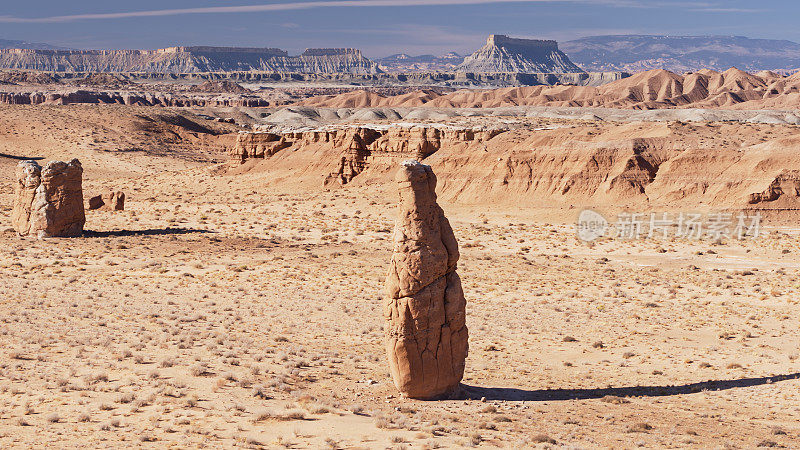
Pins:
x,y
379,27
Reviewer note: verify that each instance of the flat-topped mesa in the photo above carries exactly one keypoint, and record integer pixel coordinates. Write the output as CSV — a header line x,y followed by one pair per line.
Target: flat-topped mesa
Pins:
x,y
328,60
503,54
191,60
501,40
331,51
215,50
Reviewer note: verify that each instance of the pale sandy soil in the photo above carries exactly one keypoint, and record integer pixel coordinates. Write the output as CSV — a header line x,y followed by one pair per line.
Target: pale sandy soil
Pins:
x,y
215,313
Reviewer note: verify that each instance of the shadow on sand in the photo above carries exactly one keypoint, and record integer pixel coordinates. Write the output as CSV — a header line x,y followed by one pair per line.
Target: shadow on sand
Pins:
x,y
22,158
511,394
149,232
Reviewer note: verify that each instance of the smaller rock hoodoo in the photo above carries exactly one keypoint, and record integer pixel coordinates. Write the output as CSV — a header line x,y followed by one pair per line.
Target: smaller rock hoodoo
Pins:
x,y
111,201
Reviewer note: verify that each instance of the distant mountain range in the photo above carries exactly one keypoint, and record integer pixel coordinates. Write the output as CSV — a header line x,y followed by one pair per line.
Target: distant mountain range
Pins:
x,y
5,43
617,53
637,53
402,62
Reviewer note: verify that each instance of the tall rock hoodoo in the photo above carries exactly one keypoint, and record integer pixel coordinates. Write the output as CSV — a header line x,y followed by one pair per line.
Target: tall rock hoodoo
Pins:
x,y
503,54
425,309
48,201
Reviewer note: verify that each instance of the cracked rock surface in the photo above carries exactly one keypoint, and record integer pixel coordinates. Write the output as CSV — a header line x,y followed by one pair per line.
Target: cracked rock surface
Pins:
x,y
48,201
426,333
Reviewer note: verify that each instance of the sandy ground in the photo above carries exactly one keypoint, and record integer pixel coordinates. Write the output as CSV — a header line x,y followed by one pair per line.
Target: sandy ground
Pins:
x,y
213,313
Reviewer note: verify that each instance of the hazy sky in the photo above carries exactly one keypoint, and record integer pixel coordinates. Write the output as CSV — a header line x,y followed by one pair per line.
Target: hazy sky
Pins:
x,y
379,27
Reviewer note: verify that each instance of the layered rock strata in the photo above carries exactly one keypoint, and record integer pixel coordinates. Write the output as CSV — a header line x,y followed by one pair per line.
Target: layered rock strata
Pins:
x,y
359,147
503,54
189,60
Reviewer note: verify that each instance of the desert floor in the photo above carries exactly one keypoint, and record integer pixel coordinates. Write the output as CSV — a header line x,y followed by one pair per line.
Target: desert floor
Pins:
x,y
214,313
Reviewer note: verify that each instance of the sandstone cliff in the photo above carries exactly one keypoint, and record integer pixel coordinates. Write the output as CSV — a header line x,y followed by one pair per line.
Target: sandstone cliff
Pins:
x,y
637,165
189,60
337,156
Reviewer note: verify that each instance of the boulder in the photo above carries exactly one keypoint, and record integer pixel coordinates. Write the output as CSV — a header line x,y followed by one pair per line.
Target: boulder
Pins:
x,y
48,201
425,309
111,200
96,202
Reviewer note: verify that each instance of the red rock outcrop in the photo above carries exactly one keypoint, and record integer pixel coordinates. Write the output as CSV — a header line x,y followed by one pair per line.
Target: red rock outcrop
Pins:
x,y
350,151
111,201
639,166
425,309
257,145
48,200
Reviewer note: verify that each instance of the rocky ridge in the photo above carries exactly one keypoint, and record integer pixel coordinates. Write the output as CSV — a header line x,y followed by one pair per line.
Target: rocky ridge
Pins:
x,y
636,53
347,152
617,165
404,63
129,98
378,80
654,89
189,60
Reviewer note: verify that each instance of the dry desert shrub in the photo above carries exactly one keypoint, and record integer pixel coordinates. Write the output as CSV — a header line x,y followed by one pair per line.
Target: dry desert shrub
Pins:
x,y
475,438
614,400
266,415
640,427
294,414
126,398
542,438
383,422
357,410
